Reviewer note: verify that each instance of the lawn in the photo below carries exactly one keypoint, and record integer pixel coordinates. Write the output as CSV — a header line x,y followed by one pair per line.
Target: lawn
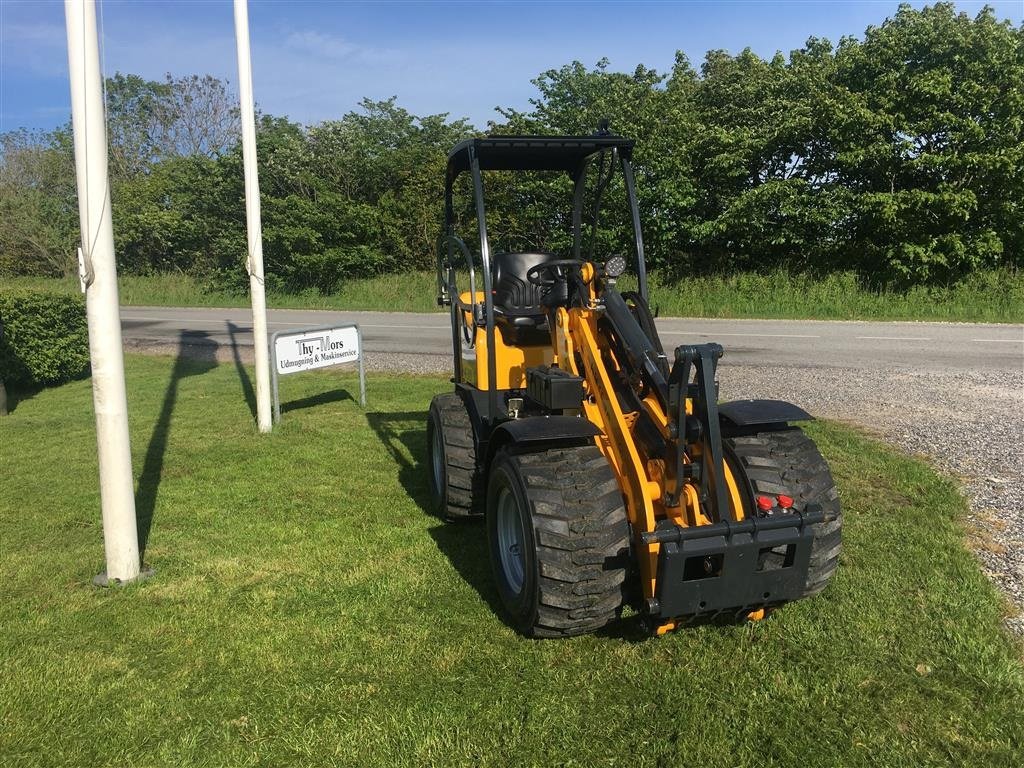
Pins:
x,y
995,296
308,610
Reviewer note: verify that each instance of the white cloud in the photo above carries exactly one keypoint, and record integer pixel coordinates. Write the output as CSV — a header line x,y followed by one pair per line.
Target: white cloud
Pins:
x,y
49,34
305,73
333,47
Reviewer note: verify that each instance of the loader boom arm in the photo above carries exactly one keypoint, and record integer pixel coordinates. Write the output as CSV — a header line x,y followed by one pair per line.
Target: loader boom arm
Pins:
x,y
663,437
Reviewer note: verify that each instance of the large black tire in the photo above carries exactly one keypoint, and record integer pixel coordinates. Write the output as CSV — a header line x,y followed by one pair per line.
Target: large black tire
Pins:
x,y
787,462
456,484
558,539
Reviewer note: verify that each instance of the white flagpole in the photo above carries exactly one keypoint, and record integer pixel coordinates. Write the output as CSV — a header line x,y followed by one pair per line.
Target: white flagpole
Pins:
x,y
252,218
117,488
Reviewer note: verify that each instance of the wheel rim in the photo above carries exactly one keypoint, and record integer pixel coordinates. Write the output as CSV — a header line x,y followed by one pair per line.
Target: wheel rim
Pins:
x,y
510,540
437,460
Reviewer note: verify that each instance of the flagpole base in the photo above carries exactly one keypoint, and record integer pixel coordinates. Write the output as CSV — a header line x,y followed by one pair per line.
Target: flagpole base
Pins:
x,y
102,580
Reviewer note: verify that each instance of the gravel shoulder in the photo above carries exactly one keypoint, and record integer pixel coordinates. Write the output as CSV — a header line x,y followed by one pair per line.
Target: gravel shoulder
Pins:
x,y
969,425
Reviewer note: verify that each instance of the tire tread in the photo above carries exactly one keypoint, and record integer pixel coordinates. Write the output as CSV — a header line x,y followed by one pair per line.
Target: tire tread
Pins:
x,y
465,486
581,538
788,462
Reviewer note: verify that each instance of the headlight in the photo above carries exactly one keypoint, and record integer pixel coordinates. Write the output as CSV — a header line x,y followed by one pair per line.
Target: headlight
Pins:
x,y
615,266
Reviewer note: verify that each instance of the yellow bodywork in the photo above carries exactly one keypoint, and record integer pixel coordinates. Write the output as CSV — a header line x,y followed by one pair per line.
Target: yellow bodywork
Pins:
x,y
511,360
646,481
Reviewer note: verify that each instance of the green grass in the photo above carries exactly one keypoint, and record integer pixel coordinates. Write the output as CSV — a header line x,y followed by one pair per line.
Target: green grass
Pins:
x,y
994,296
307,610
412,292
983,297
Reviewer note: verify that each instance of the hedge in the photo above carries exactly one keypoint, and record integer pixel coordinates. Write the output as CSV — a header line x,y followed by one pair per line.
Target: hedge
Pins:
x,y
44,338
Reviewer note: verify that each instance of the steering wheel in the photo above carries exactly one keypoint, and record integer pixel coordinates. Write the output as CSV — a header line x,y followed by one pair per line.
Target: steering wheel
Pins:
x,y
549,273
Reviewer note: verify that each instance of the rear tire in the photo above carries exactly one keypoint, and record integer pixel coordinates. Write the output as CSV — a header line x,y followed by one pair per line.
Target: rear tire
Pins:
x,y
558,540
455,481
787,462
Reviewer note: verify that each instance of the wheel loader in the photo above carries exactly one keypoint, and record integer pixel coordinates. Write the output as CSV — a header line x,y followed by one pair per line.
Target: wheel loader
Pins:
x,y
608,472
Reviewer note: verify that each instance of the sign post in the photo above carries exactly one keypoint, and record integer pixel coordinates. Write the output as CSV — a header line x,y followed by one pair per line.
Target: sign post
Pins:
x,y
307,349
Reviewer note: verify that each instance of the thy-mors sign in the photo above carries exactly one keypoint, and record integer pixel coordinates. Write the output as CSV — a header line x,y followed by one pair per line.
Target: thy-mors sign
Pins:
x,y
306,349
320,348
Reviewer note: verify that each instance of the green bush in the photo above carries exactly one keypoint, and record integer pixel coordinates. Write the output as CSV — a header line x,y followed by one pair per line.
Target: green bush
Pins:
x,y
45,338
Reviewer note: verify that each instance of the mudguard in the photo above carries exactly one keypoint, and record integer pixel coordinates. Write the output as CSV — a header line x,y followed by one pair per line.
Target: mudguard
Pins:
x,y
748,413
537,430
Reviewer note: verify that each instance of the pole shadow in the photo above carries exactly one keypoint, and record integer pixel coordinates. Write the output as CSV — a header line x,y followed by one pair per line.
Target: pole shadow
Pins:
x,y
404,434
243,374
15,395
197,354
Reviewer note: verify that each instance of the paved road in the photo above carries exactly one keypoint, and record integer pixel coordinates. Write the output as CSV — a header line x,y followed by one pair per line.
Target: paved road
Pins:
x,y
908,346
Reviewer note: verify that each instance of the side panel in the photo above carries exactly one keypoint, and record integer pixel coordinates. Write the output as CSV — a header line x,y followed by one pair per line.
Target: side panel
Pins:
x,y
512,360
466,326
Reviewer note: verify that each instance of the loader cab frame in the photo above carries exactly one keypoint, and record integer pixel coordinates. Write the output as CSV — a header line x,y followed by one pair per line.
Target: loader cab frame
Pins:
x,y
584,444
572,155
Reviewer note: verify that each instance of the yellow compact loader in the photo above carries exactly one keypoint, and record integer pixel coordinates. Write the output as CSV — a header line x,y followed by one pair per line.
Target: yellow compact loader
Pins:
x,y
608,473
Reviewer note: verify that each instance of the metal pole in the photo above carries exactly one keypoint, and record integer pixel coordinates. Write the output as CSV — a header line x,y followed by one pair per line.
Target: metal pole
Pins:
x,y
117,489
254,263
634,204
274,378
485,258
362,370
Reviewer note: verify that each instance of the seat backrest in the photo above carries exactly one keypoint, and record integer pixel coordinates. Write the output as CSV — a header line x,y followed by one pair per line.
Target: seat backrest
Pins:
x,y
514,296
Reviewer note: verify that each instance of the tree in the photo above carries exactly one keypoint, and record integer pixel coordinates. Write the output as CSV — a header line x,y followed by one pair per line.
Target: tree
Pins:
x,y
574,100
389,162
197,117
899,155
931,142
766,196
133,124
150,121
38,207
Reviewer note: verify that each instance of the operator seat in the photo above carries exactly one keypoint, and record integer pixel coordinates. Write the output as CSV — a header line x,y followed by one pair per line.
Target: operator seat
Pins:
x,y
517,302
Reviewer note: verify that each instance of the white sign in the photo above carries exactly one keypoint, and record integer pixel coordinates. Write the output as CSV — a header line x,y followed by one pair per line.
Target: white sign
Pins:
x,y
306,350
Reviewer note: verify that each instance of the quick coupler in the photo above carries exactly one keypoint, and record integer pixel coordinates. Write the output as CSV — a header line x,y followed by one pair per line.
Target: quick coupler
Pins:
x,y
731,566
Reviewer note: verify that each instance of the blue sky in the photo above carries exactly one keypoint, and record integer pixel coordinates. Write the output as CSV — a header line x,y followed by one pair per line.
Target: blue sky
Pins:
x,y
315,60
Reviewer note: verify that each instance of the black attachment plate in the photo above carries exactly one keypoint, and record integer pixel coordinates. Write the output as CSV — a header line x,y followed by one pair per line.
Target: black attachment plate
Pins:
x,y
720,567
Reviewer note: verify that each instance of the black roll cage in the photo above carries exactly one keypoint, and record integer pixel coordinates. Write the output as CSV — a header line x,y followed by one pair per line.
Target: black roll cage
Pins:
x,y
570,154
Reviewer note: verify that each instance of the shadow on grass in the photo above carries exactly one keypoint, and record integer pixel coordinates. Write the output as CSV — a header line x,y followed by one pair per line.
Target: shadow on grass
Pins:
x,y
15,395
404,434
324,398
243,375
197,354
464,543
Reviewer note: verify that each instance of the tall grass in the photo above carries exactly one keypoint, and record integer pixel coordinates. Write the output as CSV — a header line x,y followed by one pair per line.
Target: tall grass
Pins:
x,y
988,296
994,296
